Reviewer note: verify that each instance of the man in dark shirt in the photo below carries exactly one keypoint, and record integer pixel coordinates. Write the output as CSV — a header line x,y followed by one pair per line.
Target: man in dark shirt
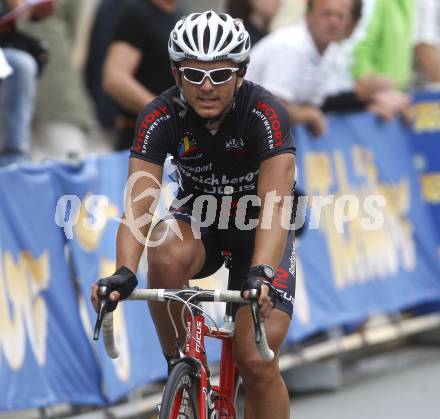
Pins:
x,y
137,64
233,149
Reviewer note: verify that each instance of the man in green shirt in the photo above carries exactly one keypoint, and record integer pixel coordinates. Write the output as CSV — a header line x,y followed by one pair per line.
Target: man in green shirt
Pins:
x,y
382,54
385,45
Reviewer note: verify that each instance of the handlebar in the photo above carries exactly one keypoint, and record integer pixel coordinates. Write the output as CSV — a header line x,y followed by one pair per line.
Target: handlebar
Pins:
x,y
105,320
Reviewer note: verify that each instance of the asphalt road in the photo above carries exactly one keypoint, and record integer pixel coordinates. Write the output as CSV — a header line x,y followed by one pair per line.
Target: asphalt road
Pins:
x,y
402,384
398,384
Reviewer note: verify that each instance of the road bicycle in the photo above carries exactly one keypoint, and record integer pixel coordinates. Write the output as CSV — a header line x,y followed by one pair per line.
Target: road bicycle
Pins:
x,y
188,392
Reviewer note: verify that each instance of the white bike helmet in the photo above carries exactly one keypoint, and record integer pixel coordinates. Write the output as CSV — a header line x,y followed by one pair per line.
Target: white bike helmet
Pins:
x,y
209,36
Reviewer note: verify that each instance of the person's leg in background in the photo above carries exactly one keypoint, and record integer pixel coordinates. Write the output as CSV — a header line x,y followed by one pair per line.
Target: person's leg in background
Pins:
x,y
17,95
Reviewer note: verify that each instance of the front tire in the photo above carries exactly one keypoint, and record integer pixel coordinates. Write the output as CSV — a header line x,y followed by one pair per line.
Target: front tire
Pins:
x,y
239,397
179,400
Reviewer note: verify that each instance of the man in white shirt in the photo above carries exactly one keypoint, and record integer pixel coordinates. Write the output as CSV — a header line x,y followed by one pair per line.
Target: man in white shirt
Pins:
x,y
427,37
298,63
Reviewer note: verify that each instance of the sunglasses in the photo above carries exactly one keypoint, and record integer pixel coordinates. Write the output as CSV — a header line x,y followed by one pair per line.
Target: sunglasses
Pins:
x,y
217,76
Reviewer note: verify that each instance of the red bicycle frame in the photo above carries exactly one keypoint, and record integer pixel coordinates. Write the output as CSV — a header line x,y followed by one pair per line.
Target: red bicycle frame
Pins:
x,y
195,348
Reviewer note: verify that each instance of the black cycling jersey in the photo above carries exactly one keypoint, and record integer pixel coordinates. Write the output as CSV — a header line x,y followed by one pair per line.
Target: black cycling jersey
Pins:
x,y
222,163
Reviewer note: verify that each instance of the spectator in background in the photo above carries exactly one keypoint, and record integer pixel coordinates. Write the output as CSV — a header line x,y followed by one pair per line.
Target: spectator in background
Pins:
x,y
427,38
296,63
17,95
256,15
385,46
382,55
137,64
63,114
374,93
103,27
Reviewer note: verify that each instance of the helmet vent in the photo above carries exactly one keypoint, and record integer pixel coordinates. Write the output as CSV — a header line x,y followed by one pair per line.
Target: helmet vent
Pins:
x,y
219,35
176,47
237,49
223,17
206,39
195,37
227,41
186,40
195,16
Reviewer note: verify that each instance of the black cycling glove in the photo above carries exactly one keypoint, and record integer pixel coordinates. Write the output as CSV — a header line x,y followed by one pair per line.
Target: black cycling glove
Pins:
x,y
255,282
123,280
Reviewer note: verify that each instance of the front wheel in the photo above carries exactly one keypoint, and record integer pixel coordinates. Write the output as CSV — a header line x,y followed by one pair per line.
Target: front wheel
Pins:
x,y
239,397
179,400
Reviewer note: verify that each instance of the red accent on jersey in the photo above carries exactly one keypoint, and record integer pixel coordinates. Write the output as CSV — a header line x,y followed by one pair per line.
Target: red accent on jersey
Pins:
x,y
280,280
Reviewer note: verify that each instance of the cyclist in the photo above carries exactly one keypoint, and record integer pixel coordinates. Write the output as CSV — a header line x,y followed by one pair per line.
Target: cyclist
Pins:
x,y
231,144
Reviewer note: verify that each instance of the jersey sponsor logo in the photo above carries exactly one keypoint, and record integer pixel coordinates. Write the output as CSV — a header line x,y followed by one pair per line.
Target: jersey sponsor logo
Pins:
x,y
221,180
220,185
187,146
269,114
225,189
148,125
235,144
281,283
280,280
194,169
292,260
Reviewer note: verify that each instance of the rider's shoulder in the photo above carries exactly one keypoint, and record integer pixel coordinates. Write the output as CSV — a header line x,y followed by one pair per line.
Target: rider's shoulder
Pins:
x,y
256,97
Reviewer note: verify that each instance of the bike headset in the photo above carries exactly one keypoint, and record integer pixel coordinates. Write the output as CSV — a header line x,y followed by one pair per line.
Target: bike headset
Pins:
x,y
209,36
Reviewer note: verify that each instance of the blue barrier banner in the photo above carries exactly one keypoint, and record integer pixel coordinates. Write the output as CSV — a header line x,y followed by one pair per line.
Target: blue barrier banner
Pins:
x,y
96,193
425,140
370,245
45,357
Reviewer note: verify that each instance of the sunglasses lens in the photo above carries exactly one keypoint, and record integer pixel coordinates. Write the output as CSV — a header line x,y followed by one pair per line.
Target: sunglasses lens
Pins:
x,y
221,76
191,74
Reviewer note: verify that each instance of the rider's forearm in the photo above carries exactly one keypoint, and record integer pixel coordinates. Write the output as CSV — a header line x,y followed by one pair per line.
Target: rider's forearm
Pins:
x,y
138,213
275,191
129,249
270,242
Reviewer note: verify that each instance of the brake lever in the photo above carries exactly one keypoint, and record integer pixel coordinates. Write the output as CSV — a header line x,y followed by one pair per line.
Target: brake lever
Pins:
x,y
255,314
103,293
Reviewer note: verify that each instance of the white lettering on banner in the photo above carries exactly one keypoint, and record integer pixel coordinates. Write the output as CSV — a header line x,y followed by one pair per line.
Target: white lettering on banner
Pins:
x,y
23,310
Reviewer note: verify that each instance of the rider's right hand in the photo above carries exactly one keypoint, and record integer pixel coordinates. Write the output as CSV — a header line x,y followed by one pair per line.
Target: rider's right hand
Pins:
x,y
120,285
